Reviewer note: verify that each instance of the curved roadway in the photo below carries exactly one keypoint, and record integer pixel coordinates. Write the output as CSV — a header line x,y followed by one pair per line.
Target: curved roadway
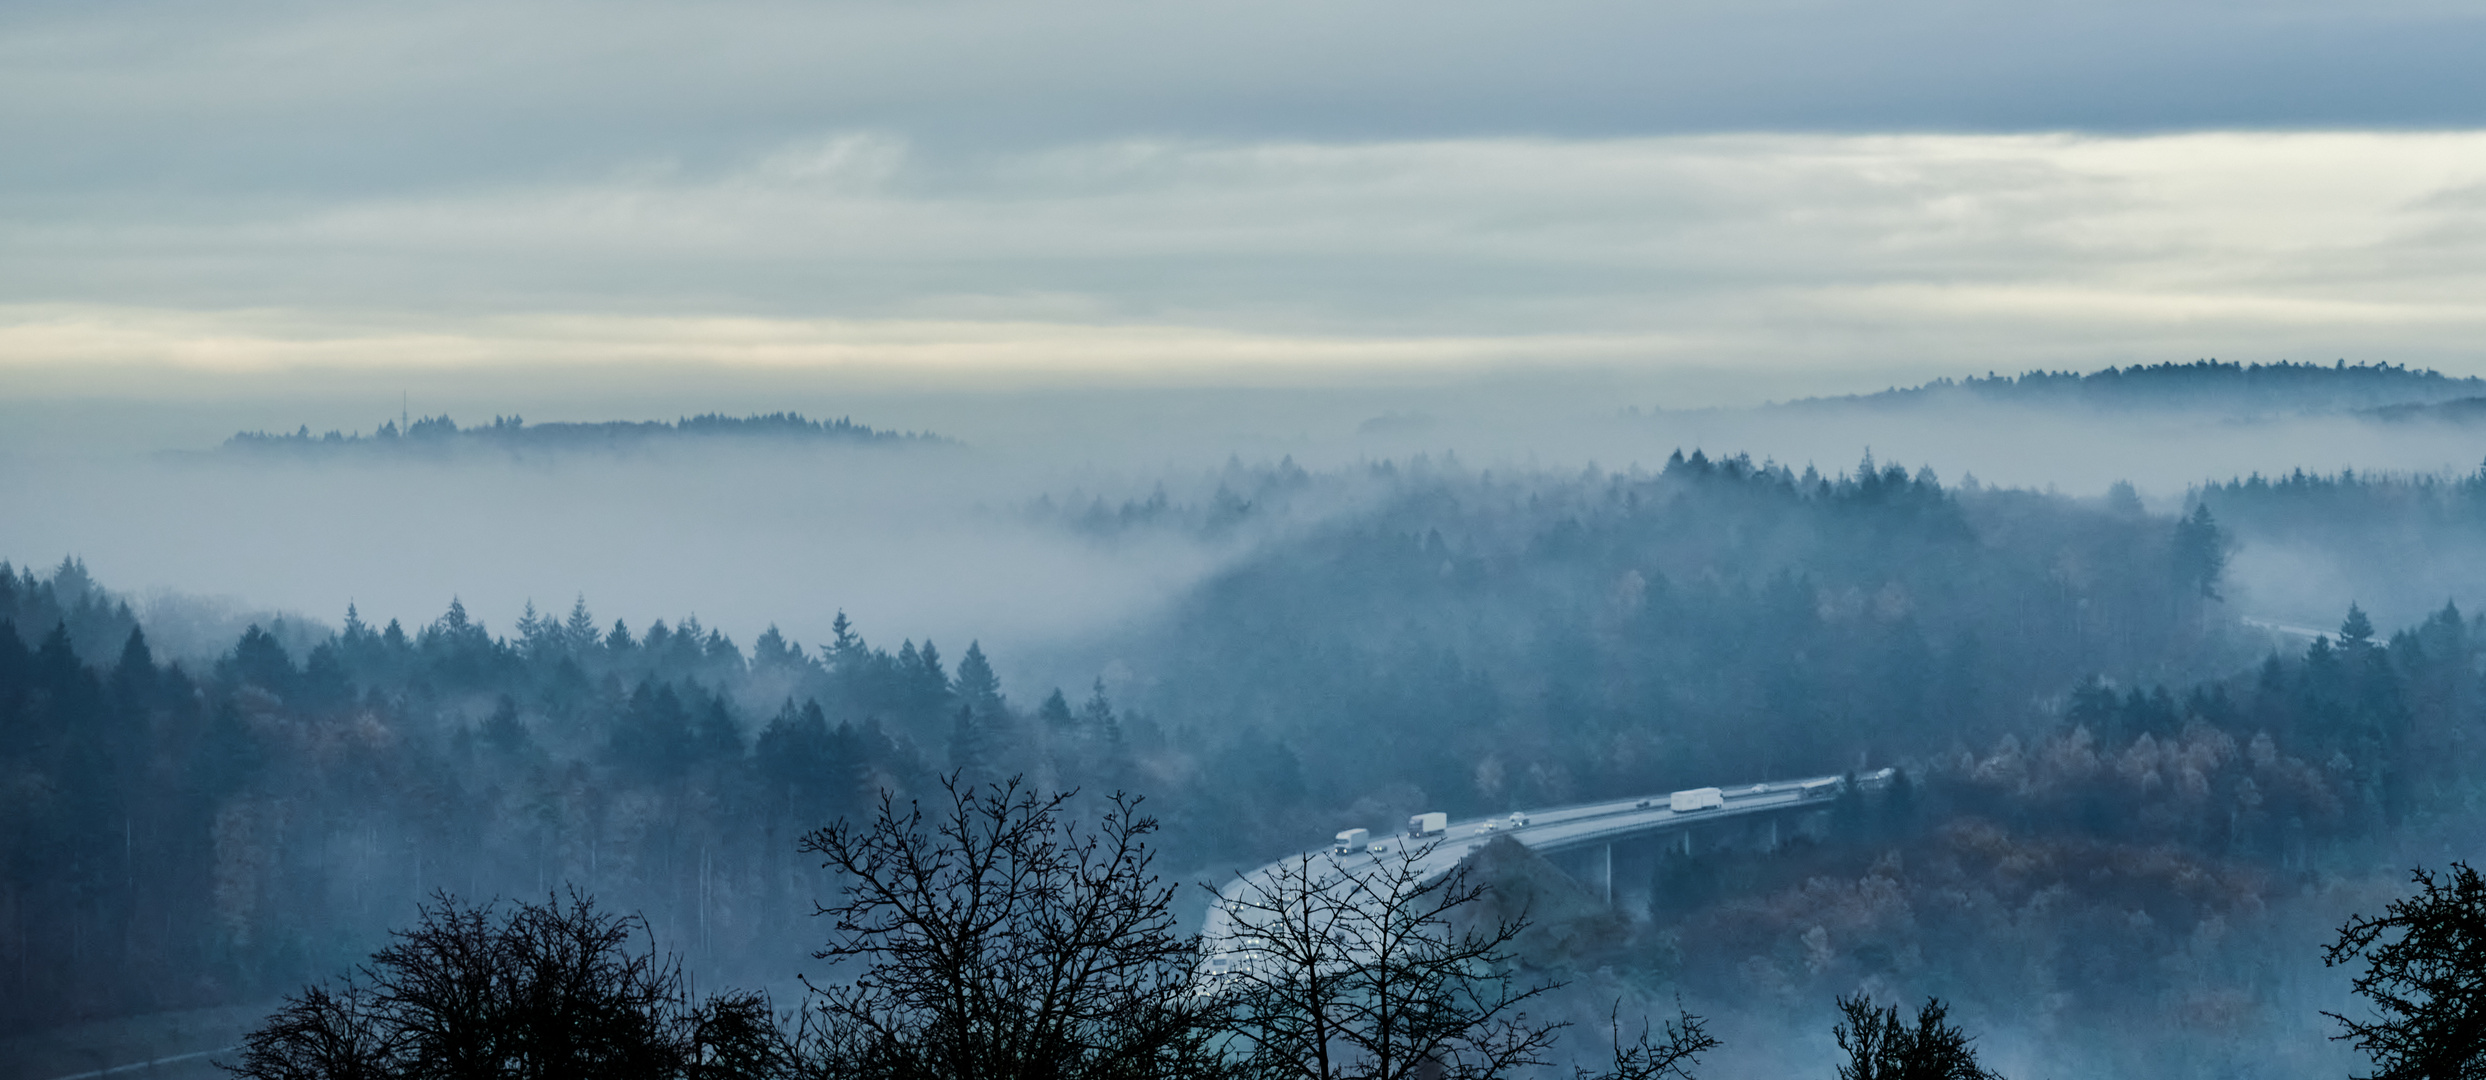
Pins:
x,y
1545,831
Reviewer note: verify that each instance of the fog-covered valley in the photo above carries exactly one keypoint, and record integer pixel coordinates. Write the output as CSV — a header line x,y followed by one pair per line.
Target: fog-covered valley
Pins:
x,y
311,681
956,539
1510,541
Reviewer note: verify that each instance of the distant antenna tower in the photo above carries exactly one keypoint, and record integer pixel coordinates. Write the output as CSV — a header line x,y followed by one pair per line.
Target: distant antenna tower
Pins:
x,y
404,418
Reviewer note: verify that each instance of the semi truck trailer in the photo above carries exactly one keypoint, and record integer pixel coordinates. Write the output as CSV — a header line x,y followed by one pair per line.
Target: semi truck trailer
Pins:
x,y
1699,798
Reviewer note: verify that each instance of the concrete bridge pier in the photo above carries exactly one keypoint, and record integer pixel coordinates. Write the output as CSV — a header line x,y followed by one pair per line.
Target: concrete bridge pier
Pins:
x,y
1592,866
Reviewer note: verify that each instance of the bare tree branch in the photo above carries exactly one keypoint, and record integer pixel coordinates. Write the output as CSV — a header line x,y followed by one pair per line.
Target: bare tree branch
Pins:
x,y
2425,976
993,937
1370,975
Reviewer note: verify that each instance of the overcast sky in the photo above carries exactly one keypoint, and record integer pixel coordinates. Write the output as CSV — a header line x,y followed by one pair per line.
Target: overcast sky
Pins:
x,y
1127,190
1108,242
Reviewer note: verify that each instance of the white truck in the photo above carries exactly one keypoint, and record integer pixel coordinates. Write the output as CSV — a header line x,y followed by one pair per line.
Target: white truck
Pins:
x,y
1352,841
1433,824
1699,798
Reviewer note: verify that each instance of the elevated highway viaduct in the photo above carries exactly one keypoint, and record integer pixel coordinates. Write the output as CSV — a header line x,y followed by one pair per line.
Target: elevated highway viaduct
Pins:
x,y
1587,829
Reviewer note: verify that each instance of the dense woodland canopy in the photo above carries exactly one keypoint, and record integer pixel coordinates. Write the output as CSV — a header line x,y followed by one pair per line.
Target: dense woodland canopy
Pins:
x,y
2087,734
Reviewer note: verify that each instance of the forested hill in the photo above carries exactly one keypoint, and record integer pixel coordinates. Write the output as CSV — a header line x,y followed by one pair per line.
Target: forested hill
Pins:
x,y
2210,385
435,433
1467,642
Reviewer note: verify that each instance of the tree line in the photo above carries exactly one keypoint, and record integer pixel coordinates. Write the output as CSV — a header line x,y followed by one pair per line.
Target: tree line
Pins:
x,y
513,433
2286,386
176,837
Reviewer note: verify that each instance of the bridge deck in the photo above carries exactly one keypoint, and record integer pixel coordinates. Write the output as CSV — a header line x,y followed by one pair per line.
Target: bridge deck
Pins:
x,y
1547,831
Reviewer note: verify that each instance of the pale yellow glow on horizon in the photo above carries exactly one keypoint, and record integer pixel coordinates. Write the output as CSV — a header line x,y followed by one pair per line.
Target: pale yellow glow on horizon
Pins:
x,y
34,338
1945,252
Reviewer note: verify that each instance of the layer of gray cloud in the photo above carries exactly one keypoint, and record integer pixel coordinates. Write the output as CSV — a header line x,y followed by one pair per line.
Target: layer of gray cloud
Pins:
x,y
262,97
1314,183
1935,254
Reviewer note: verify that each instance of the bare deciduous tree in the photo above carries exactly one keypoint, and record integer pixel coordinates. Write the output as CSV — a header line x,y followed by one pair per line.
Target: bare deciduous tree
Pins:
x,y
550,990
1881,1046
994,938
1683,1040
2425,975
1375,975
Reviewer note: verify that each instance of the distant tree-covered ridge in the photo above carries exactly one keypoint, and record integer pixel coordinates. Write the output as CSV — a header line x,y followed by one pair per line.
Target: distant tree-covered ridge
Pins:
x,y
514,433
2283,387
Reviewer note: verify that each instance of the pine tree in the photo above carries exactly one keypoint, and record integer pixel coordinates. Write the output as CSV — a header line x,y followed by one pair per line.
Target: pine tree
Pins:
x,y
541,636
2199,553
326,684
793,754
654,737
976,684
260,660
717,737
503,732
970,747
926,688
581,627
1055,712
772,652
2356,631
1097,716
133,678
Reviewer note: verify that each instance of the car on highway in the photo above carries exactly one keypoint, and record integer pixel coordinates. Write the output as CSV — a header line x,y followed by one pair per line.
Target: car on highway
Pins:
x,y
1376,848
1518,820
1485,828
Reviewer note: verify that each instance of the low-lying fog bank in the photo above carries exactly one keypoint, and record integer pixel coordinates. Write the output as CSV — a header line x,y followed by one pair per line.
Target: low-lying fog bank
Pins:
x,y
933,541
